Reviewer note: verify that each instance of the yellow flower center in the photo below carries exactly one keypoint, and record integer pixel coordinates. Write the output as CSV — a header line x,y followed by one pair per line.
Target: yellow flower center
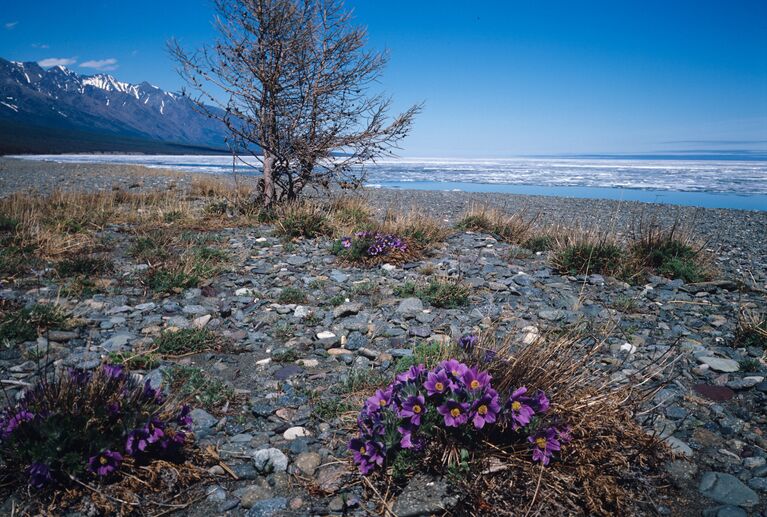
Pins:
x,y
455,373
540,442
103,460
455,412
382,402
482,410
416,409
439,386
362,450
474,384
516,406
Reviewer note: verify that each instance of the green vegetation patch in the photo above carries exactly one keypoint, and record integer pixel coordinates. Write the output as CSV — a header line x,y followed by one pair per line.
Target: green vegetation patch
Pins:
x,y
446,294
185,341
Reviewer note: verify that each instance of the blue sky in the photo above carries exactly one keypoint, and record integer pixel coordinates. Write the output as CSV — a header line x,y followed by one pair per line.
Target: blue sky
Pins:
x,y
498,78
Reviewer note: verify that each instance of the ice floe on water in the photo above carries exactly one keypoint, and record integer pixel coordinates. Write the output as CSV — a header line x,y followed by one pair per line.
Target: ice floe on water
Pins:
x,y
737,177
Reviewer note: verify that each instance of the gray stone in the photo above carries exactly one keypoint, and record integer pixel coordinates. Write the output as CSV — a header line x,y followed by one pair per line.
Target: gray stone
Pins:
x,y
202,422
117,342
727,489
758,484
719,364
250,495
296,260
307,462
550,315
424,495
678,446
347,309
725,511
410,306
744,383
270,460
267,507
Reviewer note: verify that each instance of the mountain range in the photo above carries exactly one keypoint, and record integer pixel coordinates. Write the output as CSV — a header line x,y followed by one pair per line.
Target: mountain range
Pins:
x,y
55,110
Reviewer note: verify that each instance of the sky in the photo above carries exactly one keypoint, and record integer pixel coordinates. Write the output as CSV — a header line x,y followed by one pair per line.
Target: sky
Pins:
x,y
497,78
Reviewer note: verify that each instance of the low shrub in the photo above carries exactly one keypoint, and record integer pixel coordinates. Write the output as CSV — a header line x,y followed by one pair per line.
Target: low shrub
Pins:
x,y
193,384
368,245
456,402
84,265
85,425
752,330
302,219
513,228
539,243
168,280
184,341
26,324
668,251
587,256
447,294
291,295
539,427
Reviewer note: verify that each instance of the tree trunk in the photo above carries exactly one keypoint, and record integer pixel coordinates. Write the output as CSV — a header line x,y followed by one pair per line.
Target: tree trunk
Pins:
x,y
268,176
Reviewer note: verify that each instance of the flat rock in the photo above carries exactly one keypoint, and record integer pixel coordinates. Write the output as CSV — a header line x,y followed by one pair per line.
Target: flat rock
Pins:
x,y
347,309
727,489
296,432
720,364
410,306
424,495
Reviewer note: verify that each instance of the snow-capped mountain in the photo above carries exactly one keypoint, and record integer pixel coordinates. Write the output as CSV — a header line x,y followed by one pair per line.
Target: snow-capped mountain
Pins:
x,y
57,110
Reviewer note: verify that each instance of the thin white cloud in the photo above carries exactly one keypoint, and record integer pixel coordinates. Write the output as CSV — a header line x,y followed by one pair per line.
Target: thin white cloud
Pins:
x,y
57,61
10,25
40,45
103,65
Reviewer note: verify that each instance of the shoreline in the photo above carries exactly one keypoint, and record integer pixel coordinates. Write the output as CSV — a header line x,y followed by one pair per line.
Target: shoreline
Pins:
x,y
736,235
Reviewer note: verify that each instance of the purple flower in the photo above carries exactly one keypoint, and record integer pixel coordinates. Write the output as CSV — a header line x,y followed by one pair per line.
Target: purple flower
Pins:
x,y
184,418
489,355
454,368
154,430
454,413
136,442
475,380
346,242
411,374
380,400
468,342
437,383
521,412
16,420
39,475
368,454
105,462
564,434
150,393
413,408
486,409
78,376
113,371
357,447
540,401
544,442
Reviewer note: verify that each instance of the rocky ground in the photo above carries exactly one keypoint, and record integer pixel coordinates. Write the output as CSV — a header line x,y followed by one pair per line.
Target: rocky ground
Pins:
x,y
280,420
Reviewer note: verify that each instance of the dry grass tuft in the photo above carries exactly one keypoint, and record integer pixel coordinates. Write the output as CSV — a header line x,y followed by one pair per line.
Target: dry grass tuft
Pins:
x,y
672,251
588,251
514,228
610,465
306,219
419,230
349,214
752,330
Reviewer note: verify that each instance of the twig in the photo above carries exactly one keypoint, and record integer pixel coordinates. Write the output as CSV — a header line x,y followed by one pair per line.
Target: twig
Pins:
x,y
387,507
535,495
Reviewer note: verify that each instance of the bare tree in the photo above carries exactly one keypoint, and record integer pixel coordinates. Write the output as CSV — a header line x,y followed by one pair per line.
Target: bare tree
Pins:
x,y
291,80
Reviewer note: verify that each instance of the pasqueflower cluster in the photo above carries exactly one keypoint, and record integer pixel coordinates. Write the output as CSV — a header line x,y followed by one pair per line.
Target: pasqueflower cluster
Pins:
x,y
88,423
457,399
368,244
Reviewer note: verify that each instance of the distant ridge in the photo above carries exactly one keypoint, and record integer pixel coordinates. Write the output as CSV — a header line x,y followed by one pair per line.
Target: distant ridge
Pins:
x,y
57,111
